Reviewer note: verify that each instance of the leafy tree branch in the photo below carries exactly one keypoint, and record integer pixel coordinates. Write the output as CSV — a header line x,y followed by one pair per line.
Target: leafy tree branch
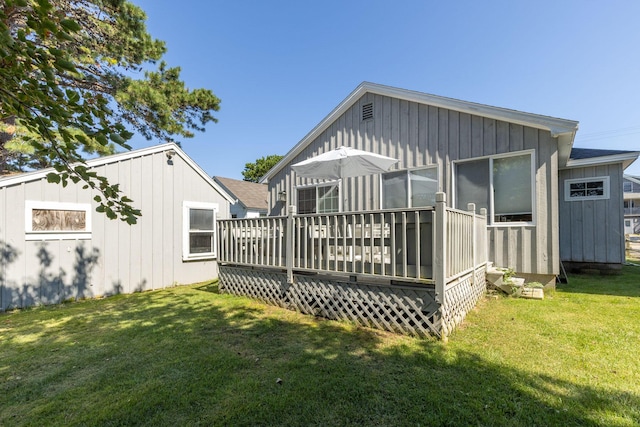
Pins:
x,y
70,84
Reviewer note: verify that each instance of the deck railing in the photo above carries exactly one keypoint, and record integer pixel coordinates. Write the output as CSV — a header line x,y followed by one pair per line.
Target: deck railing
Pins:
x,y
416,245
253,241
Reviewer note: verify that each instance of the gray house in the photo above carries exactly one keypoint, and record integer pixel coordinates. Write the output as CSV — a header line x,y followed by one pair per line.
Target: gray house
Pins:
x,y
546,201
54,246
250,197
631,190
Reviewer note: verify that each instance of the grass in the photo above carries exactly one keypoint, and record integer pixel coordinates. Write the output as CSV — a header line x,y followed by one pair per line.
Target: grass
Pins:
x,y
190,356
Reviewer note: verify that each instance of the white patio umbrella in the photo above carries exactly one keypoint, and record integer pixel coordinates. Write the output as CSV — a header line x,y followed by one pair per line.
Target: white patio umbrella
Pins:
x,y
343,162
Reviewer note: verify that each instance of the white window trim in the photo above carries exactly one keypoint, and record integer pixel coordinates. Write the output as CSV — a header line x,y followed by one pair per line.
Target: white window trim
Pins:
x,y
31,234
491,213
322,184
605,184
186,207
407,171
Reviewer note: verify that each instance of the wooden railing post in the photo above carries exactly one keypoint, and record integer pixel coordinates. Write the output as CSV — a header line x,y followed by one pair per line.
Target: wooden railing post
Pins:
x,y
471,207
485,249
440,256
289,243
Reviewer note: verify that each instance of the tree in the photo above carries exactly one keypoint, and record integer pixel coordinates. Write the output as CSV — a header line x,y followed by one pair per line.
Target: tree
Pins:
x,y
254,171
77,76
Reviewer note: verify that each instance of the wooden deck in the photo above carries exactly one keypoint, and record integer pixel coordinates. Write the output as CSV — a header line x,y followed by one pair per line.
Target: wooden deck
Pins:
x,y
413,271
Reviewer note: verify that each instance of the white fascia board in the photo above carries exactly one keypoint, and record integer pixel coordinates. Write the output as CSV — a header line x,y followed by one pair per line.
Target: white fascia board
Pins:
x,y
33,176
632,178
558,127
316,131
555,125
188,160
100,161
626,159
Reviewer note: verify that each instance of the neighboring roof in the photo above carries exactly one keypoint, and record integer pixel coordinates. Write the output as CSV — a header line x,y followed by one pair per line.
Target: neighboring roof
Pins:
x,y
581,157
34,176
632,178
563,129
249,194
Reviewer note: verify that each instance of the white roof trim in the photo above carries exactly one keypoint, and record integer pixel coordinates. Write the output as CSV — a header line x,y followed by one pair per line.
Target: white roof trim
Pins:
x,y
556,126
127,155
632,178
626,159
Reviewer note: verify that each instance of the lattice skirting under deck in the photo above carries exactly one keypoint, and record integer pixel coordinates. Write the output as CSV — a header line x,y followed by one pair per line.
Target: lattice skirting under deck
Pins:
x,y
264,285
461,297
410,310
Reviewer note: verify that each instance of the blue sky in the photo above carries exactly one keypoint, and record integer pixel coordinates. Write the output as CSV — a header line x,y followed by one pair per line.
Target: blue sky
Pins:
x,y
281,66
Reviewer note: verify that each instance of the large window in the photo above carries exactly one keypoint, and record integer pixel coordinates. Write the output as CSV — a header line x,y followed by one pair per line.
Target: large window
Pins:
x,y
410,188
503,185
56,220
319,199
199,230
586,188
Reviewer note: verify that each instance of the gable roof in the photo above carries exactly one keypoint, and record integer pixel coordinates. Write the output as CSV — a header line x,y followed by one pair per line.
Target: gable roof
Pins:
x,y
249,194
563,129
581,157
39,174
632,178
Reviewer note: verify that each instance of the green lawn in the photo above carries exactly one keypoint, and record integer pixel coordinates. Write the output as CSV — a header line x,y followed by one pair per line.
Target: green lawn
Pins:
x,y
190,356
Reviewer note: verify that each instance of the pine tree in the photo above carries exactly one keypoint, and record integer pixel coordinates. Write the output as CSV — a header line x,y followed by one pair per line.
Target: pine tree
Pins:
x,y
76,76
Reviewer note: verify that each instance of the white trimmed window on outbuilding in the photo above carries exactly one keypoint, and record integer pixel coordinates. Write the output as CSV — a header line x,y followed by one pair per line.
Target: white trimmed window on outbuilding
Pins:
x,y
199,230
57,220
595,188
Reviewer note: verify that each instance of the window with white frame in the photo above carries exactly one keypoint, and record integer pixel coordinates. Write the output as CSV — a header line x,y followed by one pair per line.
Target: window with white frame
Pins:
x,y
323,198
57,220
595,188
503,185
410,188
199,230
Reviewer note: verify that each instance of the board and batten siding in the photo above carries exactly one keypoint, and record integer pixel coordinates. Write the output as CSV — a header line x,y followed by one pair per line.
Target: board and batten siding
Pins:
x,y
423,135
117,258
586,225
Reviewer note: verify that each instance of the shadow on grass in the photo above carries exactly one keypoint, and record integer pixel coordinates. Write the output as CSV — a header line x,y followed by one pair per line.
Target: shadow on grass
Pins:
x,y
183,356
625,284
209,287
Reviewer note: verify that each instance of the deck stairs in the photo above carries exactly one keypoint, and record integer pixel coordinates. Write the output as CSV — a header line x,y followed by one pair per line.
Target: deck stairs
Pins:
x,y
502,279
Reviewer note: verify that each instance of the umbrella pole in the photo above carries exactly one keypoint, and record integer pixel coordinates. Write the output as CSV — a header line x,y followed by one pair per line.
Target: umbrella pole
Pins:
x,y
289,243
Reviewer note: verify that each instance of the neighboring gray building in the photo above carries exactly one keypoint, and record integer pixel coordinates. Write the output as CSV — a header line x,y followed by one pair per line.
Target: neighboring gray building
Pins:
x,y
591,214
251,199
512,163
631,190
54,246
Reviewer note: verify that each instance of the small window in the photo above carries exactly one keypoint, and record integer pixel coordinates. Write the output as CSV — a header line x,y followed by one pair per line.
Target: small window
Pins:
x,y
586,189
319,199
410,188
57,220
199,239
627,187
